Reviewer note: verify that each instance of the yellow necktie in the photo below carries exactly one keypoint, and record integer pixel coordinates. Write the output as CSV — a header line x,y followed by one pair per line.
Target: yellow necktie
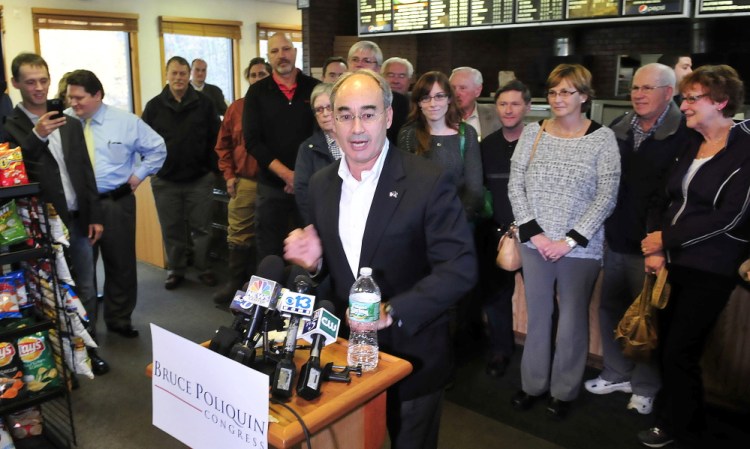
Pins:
x,y
88,135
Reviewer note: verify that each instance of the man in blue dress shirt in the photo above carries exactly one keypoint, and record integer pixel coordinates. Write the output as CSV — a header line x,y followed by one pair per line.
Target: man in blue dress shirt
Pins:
x,y
125,151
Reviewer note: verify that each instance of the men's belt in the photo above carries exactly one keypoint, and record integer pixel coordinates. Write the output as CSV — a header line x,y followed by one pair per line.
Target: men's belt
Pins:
x,y
116,194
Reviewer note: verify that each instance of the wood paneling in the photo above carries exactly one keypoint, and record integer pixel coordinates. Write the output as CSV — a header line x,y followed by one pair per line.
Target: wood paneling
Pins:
x,y
149,246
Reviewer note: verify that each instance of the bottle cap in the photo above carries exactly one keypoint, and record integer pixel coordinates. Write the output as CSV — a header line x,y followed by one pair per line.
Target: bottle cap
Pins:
x,y
365,271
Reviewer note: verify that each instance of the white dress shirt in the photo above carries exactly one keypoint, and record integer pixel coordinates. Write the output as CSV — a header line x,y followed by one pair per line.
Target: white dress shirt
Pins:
x,y
354,207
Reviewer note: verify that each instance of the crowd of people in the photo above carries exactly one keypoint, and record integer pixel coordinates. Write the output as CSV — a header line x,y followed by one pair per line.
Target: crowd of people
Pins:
x,y
370,167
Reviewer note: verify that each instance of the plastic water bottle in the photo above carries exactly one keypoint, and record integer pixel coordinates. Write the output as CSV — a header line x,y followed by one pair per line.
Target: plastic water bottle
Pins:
x,y
364,313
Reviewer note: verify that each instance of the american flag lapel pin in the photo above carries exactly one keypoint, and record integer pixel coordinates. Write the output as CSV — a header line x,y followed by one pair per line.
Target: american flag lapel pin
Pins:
x,y
393,194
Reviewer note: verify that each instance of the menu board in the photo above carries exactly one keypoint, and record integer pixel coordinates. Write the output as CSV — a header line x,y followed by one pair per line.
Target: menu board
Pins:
x,y
713,7
651,7
375,16
418,16
410,15
489,12
587,9
540,10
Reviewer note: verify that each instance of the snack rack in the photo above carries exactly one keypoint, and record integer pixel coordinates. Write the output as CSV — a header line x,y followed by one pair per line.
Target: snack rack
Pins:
x,y
57,414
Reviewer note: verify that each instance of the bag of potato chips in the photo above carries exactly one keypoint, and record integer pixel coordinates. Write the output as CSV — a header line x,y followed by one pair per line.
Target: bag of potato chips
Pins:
x,y
39,368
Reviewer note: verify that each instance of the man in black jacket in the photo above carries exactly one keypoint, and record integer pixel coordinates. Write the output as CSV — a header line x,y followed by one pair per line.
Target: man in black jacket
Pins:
x,y
650,140
55,156
277,118
183,187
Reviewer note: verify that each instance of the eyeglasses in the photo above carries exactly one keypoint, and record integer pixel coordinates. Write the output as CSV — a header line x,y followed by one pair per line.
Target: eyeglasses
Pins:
x,y
357,60
395,75
645,89
562,94
321,109
439,98
690,99
365,117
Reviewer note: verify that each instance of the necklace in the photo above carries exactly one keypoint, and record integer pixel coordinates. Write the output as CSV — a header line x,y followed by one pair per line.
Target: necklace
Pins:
x,y
561,132
708,149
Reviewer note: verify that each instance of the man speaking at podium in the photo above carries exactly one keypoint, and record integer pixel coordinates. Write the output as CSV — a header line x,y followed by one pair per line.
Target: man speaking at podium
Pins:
x,y
398,214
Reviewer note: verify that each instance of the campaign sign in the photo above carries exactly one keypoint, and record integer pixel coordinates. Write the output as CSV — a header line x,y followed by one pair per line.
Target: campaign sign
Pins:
x,y
206,400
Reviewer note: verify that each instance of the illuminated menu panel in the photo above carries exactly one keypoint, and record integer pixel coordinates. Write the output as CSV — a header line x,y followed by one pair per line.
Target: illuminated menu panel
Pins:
x,y
587,9
375,16
488,12
449,13
539,10
410,15
651,7
723,6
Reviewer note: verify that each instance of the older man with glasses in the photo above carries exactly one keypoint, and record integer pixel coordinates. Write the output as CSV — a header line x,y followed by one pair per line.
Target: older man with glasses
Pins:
x,y
649,138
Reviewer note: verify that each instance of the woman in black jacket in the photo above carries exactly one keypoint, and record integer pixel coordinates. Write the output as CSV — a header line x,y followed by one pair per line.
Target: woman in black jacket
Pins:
x,y
702,235
319,150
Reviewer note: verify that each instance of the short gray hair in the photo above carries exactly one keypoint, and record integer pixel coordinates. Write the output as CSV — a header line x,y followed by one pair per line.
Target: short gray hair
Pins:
x,y
318,90
397,60
367,45
665,74
385,88
475,74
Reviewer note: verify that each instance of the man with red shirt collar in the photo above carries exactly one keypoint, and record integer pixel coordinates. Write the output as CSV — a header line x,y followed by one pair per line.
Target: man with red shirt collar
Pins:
x,y
277,119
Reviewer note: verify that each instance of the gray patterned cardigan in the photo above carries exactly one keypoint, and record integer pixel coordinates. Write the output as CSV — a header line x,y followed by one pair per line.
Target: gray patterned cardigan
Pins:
x,y
570,187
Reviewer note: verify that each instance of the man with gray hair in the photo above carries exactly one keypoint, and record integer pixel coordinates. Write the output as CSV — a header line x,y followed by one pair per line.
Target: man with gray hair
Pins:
x,y
363,211
650,139
467,87
368,55
398,72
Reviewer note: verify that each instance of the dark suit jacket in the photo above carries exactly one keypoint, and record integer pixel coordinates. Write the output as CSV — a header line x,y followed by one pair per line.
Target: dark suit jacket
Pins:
x,y
418,244
42,167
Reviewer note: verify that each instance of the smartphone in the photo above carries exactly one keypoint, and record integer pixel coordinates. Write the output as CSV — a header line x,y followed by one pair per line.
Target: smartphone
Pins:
x,y
55,105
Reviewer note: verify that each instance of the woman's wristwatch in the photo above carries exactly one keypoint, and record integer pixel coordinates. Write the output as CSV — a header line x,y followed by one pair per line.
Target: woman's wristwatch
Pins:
x,y
570,242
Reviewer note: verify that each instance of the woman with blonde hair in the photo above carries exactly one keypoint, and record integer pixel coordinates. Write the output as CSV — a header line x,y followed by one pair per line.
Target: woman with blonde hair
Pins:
x,y
563,184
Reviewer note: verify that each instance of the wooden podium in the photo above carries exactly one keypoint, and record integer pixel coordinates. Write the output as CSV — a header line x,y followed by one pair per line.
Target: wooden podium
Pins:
x,y
349,416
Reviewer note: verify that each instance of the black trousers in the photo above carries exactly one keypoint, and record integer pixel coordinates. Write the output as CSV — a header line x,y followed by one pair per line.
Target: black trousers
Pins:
x,y
696,301
117,249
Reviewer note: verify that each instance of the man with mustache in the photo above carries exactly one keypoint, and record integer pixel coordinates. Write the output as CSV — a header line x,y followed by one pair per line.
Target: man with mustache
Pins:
x,y
277,118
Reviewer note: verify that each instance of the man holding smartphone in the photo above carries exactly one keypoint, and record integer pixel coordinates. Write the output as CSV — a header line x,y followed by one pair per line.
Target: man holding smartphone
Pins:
x,y
54,152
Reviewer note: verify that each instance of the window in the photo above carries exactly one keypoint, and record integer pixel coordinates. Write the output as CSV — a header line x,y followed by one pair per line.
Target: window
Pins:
x,y
266,30
215,41
111,49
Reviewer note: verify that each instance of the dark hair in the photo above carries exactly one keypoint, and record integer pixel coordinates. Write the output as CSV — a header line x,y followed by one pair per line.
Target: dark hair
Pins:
x,y
192,63
577,75
721,82
87,80
31,59
179,60
256,61
515,85
671,59
422,88
331,60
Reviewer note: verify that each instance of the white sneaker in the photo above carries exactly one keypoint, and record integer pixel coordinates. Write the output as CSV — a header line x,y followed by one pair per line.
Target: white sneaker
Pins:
x,y
642,404
601,386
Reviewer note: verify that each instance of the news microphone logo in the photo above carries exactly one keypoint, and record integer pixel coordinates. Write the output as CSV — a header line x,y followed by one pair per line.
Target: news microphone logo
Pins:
x,y
326,323
260,292
295,303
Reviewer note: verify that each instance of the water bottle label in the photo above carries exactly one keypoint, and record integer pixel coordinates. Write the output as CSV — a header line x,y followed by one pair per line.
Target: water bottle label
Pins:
x,y
364,307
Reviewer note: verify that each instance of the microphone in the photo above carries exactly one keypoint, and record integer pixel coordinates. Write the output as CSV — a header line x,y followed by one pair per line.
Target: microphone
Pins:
x,y
262,293
321,330
296,304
